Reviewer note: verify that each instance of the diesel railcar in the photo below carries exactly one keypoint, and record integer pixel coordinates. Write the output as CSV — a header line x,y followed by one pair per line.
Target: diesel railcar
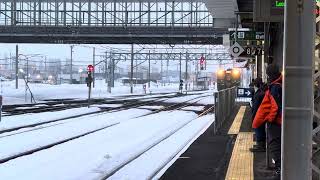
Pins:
x,y
228,78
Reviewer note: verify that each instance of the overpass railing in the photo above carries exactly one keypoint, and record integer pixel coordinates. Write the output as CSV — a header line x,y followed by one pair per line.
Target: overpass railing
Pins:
x,y
100,13
225,101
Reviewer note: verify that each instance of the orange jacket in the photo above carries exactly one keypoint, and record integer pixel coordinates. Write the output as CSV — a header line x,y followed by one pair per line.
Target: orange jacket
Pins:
x,y
270,108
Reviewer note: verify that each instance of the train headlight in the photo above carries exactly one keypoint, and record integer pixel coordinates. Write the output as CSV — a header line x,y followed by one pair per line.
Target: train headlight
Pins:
x,y
38,76
236,73
220,72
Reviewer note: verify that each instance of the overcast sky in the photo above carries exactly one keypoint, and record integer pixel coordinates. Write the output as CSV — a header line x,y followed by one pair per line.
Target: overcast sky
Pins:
x,y
83,53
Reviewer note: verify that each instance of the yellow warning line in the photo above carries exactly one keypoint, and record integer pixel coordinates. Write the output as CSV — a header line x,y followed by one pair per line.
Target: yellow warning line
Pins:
x,y
234,129
241,162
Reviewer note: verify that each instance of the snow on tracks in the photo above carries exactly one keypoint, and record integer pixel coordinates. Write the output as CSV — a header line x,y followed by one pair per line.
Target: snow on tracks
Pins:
x,y
77,159
29,142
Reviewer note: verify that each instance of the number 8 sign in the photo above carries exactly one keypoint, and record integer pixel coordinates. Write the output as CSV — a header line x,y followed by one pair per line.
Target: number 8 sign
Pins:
x,y
253,51
248,51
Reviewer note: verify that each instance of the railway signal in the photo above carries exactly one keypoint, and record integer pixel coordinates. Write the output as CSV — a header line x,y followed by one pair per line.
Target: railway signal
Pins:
x,y
89,80
181,86
90,68
202,62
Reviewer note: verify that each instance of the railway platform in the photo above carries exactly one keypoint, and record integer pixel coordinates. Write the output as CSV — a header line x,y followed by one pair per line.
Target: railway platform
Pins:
x,y
224,155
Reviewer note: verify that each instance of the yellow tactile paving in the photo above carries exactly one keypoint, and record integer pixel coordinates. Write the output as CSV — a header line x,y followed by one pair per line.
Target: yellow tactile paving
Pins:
x,y
241,162
234,129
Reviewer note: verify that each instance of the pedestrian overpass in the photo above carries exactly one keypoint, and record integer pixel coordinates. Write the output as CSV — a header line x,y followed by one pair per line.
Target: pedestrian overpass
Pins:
x,y
115,22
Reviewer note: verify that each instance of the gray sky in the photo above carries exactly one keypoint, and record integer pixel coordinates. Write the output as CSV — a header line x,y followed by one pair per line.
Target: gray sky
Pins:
x,y
83,53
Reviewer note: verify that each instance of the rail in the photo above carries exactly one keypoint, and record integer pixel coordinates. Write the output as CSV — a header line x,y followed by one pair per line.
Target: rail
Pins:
x,y
224,105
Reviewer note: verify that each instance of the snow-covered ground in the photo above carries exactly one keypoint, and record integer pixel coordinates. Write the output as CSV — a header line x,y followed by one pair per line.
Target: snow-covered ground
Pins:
x,y
47,91
187,98
125,136
106,105
151,107
51,133
9,122
193,108
81,158
170,149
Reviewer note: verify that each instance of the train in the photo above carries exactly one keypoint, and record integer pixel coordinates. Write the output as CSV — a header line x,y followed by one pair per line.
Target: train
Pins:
x,y
228,78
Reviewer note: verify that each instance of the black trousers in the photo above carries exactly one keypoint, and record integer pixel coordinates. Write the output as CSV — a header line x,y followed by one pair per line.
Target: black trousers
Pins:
x,y
274,142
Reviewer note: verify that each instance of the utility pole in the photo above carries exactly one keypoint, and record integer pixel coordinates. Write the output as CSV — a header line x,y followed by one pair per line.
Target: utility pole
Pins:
x,y
71,58
60,69
11,63
205,61
106,68
180,74
186,75
27,69
167,73
109,72
136,72
161,70
45,67
94,64
149,71
197,74
17,68
131,73
113,69
26,85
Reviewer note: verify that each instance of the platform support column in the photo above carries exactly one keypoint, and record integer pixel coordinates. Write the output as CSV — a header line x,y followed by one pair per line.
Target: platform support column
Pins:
x,y
298,90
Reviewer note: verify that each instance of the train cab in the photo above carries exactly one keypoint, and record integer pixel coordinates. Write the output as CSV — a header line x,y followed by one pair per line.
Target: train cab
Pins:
x,y
228,78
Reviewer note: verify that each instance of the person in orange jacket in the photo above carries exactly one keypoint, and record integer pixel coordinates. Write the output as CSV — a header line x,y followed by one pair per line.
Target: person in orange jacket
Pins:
x,y
270,112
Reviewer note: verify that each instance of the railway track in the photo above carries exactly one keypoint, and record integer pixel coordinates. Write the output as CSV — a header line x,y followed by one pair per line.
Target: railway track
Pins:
x,y
49,145
177,106
116,169
125,105
64,104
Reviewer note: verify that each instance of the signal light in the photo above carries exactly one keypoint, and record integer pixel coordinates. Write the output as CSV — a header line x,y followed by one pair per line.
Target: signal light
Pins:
x,y
90,68
202,60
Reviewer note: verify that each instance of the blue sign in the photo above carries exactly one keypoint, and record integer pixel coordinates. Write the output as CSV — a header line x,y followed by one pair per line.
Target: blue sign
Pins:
x,y
244,92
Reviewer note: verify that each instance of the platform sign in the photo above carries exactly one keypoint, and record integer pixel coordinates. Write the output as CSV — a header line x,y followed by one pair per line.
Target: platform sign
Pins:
x,y
235,50
244,92
268,10
277,4
246,36
251,51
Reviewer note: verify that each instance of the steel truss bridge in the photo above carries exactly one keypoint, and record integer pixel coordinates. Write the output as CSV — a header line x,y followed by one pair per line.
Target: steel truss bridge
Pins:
x,y
216,57
108,22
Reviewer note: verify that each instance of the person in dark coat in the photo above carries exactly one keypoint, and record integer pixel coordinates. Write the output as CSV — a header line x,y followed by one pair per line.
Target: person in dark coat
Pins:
x,y
251,89
270,111
260,132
